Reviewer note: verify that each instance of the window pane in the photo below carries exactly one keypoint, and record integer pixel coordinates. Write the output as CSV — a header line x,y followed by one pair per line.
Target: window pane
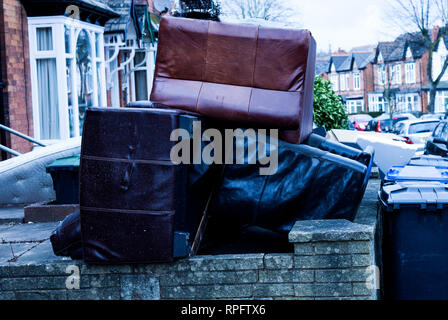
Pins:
x,y
68,49
141,86
438,130
71,115
47,86
99,84
139,58
97,45
44,37
422,127
84,75
444,134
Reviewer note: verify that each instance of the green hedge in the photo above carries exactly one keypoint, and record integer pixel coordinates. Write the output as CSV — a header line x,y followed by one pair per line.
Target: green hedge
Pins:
x,y
329,111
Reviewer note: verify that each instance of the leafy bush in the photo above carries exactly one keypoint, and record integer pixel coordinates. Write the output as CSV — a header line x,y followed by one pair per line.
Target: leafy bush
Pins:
x,y
329,111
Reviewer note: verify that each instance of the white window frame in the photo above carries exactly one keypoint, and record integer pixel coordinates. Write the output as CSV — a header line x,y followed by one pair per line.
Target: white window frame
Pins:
x,y
441,103
355,106
410,72
376,103
382,74
116,47
345,82
356,80
349,107
334,81
58,24
400,103
113,80
342,82
396,73
148,67
408,102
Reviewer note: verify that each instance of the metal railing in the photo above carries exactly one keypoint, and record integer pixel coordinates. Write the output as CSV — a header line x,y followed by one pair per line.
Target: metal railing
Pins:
x,y
21,135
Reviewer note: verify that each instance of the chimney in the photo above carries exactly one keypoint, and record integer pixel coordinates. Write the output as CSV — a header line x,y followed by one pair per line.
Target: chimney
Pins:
x,y
340,53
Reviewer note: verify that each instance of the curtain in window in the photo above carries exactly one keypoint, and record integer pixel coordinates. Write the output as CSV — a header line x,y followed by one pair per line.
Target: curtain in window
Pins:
x,y
48,99
44,39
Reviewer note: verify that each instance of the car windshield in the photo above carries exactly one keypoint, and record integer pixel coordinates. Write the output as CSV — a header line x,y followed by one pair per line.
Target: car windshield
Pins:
x,y
422,127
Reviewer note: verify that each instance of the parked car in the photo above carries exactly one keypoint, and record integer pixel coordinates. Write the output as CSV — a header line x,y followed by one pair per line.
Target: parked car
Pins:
x,y
382,122
437,143
360,121
416,131
439,116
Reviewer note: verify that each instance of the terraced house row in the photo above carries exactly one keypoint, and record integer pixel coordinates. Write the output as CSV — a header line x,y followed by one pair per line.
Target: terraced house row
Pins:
x,y
364,78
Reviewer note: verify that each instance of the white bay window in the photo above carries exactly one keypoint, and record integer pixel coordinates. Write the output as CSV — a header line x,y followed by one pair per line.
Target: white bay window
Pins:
x,y
376,103
441,103
67,74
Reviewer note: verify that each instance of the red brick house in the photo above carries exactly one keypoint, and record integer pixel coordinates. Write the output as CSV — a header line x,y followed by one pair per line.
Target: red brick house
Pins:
x,y
400,67
15,100
349,75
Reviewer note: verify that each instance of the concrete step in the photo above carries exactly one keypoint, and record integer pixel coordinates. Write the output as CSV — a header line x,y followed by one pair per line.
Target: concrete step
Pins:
x,y
11,215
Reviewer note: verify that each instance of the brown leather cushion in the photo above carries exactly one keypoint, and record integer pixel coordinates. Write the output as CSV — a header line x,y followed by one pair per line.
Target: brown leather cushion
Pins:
x,y
244,73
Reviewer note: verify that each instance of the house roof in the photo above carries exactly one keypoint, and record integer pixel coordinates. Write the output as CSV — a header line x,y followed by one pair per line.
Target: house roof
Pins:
x,y
341,63
442,85
119,24
362,59
322,67
387,50
415,42
120,6
345,63
396,50
94,11
99,4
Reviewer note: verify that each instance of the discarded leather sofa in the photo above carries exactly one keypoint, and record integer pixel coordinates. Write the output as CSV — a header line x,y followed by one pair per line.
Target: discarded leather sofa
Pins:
x,y
255,75
311,183
66,239
133,198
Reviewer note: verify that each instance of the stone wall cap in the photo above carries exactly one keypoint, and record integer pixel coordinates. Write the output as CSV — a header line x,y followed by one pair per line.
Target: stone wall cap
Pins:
x,y
329,230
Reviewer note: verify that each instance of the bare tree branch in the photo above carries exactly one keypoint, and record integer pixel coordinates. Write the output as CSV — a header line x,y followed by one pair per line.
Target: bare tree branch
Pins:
x,y
271,10
420,16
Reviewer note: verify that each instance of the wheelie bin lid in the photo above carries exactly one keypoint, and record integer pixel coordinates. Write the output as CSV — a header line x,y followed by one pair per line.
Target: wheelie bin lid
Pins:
x,y
429,160
423,194
417,173
67,163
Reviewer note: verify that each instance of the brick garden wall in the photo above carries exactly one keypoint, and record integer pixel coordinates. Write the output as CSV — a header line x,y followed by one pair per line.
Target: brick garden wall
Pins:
x,y
331,260
16,72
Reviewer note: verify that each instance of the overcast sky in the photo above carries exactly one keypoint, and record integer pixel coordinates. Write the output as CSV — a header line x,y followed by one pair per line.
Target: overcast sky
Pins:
x,y
344,23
